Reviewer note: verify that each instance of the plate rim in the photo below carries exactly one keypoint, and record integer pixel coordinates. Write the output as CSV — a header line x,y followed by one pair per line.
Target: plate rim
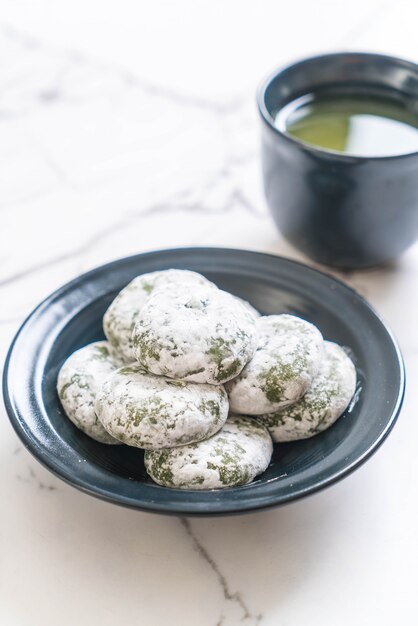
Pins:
x,y
45,458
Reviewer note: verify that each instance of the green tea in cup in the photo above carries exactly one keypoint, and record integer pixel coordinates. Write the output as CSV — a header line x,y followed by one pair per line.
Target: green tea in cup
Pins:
x,y
356,123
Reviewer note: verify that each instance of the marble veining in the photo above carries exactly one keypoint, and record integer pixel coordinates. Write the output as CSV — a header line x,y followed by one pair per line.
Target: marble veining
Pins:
x,y
31,478
229,596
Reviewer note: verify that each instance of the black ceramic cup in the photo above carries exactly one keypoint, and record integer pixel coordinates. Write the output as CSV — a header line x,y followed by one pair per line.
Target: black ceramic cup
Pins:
x,y
340,210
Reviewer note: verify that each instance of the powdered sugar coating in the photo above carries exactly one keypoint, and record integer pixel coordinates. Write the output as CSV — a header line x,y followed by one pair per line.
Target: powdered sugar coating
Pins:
x,y
119,319
283,367
79,381
198,334
256,314
238,453
151,412
323,403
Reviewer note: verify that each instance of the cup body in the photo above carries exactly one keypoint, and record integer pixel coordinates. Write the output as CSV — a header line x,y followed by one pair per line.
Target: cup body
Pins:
x,y
340,210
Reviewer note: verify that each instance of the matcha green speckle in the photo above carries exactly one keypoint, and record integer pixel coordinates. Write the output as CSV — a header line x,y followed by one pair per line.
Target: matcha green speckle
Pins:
x,y
148,348
221,350
102,352
147,287
161,471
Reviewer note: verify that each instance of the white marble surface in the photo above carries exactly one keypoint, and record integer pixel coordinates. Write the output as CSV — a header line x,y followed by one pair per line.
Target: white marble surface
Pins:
x,y
127,126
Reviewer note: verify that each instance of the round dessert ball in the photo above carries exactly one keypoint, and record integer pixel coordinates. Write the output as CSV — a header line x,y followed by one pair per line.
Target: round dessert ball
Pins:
x,y
119,319
238,453
323,403
151,412
287,358
79,381
195,333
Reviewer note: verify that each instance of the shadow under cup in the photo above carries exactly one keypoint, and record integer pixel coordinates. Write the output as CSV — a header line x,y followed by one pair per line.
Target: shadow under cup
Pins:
x,y
340,210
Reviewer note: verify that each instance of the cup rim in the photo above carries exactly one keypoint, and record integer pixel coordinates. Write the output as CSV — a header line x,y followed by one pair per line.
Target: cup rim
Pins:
x,y
316,150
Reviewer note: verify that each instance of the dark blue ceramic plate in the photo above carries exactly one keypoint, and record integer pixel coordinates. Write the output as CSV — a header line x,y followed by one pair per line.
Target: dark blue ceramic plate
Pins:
x,y
71,318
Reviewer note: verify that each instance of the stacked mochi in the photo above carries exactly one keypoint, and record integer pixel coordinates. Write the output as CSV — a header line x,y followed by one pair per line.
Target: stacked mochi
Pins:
x,y
199,380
